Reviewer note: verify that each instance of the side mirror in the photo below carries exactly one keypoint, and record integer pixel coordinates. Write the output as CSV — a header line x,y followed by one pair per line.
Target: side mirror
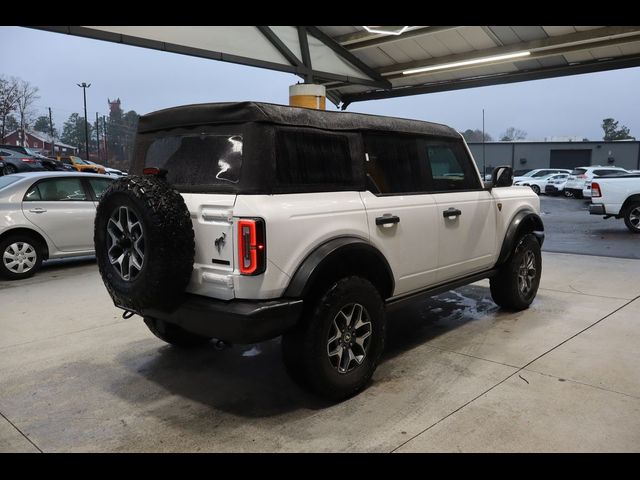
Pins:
x,y
502,177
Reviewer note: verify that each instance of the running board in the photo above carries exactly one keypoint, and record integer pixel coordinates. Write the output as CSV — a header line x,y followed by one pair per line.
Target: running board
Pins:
x,y
406,299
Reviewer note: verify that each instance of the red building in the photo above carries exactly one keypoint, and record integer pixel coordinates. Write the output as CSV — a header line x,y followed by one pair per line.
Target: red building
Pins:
x,y
39,142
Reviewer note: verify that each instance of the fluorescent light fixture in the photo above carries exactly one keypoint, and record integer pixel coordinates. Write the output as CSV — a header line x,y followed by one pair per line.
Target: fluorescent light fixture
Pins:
x,y
463,63
386,30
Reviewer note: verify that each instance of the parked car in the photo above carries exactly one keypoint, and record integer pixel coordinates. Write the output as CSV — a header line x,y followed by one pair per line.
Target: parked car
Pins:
x,y
539,172
555,186
46,215
47,162
539,184
109,171
579,181
275,220
617,197
82,165
14,162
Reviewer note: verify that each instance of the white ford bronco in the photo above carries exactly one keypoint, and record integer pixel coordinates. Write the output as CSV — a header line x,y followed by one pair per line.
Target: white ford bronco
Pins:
x,y
247,221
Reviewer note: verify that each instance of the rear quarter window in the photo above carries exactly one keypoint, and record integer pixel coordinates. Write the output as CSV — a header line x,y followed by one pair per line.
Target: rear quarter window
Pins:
x,y
312,158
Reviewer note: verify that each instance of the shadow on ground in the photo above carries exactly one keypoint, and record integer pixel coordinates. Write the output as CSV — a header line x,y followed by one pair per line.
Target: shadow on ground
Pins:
x,y
251,381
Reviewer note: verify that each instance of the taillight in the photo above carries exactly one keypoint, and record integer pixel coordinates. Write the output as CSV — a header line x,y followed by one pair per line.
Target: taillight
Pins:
x,y
252,246
28,160
150,171
595,190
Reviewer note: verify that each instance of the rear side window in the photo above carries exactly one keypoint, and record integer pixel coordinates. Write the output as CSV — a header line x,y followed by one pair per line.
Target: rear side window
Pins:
x,y
197,159
312,158
450,167
393,164
99,185
579,171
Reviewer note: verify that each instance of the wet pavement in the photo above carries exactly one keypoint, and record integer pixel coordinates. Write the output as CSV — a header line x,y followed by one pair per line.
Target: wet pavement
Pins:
x,y
458,374
571,229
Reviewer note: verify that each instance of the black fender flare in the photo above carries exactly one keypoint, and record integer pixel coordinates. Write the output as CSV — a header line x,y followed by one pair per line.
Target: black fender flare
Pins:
x,y
524,221
341,250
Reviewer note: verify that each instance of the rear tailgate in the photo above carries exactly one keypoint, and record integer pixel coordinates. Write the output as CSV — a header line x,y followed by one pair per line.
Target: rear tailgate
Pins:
x,y
212,218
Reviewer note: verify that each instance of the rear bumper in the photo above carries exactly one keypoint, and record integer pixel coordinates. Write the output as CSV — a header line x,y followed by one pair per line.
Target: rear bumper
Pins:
x,y
597,209
234,321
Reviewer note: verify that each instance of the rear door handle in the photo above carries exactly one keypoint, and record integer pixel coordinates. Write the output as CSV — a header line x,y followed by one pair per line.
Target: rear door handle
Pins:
x,y
38,210
387,219
451,212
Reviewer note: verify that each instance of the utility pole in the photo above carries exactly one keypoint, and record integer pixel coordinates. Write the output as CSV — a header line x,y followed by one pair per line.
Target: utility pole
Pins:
x,y
106,148
53,140
84,87
98,135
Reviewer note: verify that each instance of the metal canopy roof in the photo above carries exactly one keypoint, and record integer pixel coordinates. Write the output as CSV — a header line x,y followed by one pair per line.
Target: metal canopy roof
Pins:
x,y
355,64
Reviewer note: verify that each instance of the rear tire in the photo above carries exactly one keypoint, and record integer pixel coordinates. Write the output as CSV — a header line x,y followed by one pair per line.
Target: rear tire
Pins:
x,y
335,348
9,169
567,193
536,189
632,217
174,335
516,284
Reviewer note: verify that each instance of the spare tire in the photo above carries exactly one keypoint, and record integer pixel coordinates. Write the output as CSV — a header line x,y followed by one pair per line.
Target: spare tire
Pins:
x,y
144,243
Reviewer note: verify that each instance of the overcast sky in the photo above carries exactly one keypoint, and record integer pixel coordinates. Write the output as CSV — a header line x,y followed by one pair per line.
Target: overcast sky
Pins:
x,y
147,80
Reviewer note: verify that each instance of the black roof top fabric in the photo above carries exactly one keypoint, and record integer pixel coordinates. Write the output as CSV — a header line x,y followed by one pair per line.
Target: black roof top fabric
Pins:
x,y
242,112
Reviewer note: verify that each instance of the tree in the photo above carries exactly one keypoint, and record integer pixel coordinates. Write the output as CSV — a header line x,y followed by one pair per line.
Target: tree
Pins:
x,y
73,131
612,132
8,100
11,124
42,125
27,94
513,133
476,136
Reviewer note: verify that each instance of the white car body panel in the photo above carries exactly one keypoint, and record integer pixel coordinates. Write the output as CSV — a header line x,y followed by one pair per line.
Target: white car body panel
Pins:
x,y
66,227
614,192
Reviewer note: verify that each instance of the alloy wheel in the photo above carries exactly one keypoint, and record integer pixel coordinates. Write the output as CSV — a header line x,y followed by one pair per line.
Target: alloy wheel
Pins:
x,y
349,337
527,273
125,244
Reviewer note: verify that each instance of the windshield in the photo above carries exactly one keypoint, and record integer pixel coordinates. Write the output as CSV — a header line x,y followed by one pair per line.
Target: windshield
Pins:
x,y
79,160
530,173
197,159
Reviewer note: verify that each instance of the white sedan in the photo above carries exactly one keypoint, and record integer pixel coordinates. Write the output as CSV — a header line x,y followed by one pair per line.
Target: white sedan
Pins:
x,y
539,184
46,215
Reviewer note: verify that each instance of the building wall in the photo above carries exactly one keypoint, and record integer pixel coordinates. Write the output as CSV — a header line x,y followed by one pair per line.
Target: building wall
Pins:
x,y
538,154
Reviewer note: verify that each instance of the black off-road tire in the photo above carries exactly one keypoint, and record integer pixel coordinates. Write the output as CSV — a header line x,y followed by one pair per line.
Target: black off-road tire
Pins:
x,y
175,335
169,247
305,349
21,238
505,287
632,209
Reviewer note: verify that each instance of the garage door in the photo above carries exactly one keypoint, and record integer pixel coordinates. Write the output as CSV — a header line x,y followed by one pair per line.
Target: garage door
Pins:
x,y
570,158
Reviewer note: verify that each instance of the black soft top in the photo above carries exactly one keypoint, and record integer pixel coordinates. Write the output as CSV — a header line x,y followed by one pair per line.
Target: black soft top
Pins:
x,y
243,112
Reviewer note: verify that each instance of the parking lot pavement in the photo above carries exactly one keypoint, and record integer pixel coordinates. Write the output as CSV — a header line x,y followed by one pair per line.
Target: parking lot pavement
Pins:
x,y
458,375
571,229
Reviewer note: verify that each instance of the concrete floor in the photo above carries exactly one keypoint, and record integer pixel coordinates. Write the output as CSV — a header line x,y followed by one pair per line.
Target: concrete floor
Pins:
x,y
458,375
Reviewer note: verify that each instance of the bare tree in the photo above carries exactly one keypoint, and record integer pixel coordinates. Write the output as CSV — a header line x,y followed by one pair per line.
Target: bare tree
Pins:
x,y
27,94
8,99
513,133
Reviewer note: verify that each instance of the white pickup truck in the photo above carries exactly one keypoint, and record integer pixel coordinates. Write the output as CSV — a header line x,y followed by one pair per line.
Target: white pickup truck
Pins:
x,y
617,197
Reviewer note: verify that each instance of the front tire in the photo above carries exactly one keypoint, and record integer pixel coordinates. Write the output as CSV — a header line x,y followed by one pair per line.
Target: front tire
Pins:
x,y
335,348
174,335
20,256
516,284
632,217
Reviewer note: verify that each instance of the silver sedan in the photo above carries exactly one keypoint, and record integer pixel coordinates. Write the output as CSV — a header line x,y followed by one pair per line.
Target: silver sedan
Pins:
x,y
46,215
